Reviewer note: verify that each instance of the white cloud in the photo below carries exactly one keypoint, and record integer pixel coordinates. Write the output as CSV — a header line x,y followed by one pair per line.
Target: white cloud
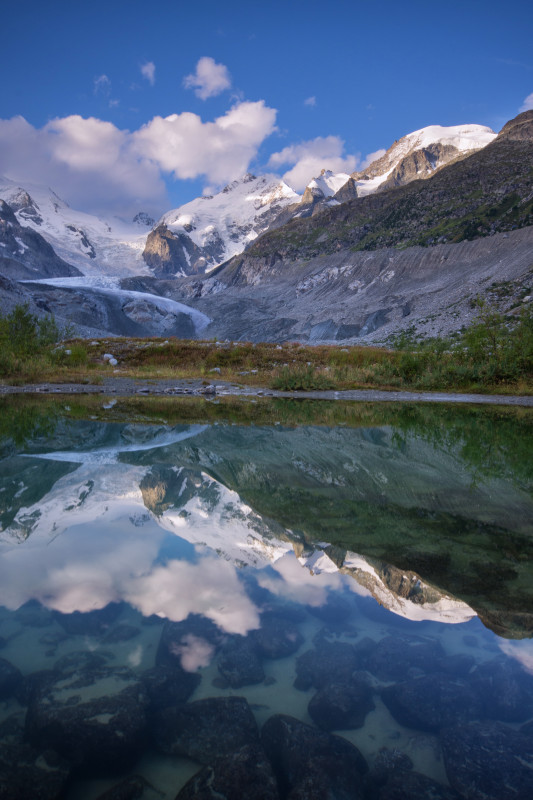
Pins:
x,y
187,147
309,158
310,101
148,72
294,581
100,168
527,105
210,587
102,84
209,79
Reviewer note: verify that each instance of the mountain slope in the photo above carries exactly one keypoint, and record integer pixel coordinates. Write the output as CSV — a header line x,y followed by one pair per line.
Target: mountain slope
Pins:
x,y
413,157
487,192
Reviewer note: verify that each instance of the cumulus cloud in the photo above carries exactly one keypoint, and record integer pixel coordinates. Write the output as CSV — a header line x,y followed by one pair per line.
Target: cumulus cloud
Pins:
x,y
310,101
148,72
210,587
527,105
100,168
187,147
209,79
309,158
92,164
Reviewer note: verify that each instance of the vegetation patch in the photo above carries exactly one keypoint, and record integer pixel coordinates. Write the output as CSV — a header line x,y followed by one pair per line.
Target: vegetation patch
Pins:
x,y
495,354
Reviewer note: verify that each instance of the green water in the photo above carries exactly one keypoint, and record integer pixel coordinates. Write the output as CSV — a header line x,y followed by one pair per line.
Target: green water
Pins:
x,y
362,522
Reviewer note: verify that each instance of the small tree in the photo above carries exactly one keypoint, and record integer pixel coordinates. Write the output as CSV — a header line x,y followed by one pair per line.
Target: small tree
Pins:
x,y
23,334
22,330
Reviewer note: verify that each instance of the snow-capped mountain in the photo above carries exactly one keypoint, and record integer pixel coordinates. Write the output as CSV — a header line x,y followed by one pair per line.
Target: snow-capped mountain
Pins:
x,y
140,504
419,154
200,235
95,246
326,185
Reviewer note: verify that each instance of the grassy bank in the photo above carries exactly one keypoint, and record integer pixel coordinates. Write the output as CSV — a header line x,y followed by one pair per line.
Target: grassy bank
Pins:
x,y
494,355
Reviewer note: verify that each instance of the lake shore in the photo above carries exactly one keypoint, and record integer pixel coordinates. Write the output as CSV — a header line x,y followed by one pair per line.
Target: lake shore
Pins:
x,y
127,387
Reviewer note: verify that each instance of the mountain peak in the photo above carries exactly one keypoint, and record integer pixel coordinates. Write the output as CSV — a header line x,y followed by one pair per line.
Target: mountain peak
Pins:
x,y
519,128
420,153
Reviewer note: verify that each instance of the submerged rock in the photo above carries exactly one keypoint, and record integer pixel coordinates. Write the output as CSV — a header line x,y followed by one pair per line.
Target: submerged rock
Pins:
x,y
386,763
277,637
94,718
239,663
341,706
10,679
395,657
415,786
80,660
190,643
488,761
121,633
27,773
246,773
89,623
310,763
432,702
331,662
205,729
506,689
169,686
131,788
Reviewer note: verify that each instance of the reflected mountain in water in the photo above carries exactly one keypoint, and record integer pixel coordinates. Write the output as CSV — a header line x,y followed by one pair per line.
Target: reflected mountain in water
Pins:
x,y
143,486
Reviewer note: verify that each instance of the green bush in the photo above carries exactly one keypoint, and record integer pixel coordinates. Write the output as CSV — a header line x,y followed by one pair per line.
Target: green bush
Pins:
x,y
294,380
24,335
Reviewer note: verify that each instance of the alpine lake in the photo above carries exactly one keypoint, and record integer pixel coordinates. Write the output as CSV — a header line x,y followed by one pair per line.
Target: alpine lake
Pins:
x,y
251,599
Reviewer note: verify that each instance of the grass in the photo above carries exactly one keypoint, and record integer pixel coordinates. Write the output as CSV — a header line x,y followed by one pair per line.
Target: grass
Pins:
x,y
494,355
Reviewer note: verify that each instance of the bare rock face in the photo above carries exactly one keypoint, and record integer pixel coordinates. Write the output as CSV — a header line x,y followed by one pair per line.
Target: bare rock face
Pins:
x,y
346,192
421,164
167,253
518,129
142,218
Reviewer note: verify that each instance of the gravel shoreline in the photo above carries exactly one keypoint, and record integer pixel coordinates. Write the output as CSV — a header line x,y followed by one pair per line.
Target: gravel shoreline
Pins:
x,y
127,387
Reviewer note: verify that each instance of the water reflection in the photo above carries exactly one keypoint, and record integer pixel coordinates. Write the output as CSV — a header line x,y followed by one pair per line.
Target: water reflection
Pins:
x,y
165,589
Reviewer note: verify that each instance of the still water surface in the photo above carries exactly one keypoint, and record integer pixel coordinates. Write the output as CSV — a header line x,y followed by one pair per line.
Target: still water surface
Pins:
x,y
194,606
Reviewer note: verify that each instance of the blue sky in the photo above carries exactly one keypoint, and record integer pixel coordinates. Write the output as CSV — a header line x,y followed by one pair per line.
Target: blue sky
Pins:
x,y
317,82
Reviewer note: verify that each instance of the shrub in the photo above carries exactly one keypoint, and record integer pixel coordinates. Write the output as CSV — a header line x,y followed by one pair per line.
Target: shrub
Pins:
x,y
294,380
25,335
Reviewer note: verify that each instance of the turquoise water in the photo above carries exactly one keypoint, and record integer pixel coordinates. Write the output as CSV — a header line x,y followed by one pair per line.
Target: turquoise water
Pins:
x,y
371,581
